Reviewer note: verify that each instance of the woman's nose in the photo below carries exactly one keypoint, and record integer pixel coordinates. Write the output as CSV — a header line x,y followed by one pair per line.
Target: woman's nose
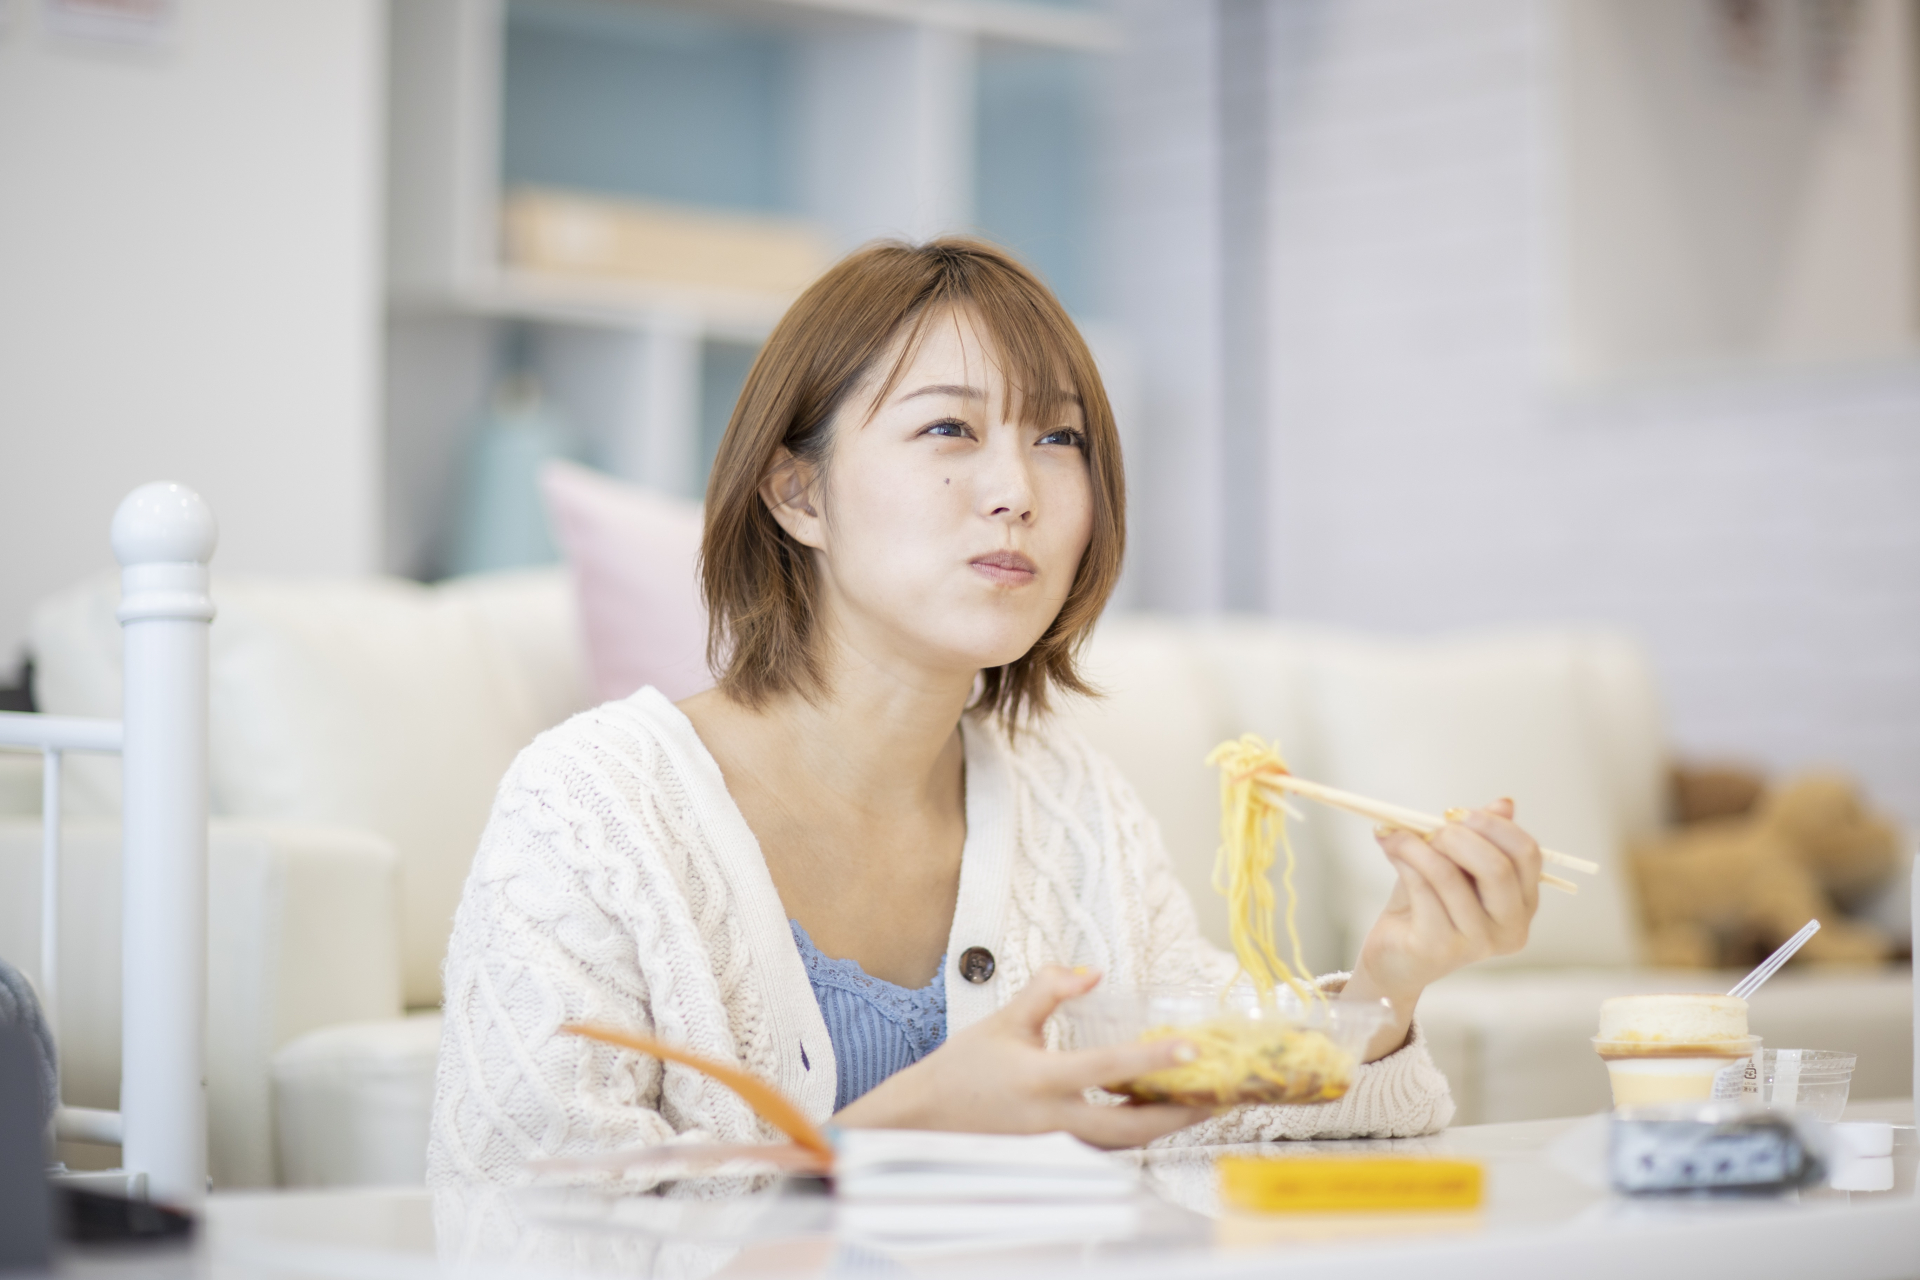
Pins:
x,y
1014,506
1009,489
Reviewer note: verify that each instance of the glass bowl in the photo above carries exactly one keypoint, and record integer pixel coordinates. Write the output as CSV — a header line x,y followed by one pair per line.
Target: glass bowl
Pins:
x,y
1250,1051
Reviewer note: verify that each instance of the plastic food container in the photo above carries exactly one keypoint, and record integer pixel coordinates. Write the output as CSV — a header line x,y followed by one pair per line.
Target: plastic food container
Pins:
x,y
1812,1080
1649,1072
1249,1051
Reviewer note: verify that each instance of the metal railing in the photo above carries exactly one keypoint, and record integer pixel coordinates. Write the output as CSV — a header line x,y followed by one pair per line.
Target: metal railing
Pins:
x,y
53,737
163,536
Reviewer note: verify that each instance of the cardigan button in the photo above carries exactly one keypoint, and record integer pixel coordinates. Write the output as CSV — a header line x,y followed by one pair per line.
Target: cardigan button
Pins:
x,y
976,964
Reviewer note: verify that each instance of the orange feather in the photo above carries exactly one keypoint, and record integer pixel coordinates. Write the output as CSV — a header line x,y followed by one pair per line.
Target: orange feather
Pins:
x,y
767,1102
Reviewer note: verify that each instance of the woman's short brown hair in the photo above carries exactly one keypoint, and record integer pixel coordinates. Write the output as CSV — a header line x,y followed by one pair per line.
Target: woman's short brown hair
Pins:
x,y
760,584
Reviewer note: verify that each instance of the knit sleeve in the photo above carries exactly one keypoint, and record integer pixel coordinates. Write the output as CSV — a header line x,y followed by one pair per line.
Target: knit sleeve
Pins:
x,y
536,945
1401,1095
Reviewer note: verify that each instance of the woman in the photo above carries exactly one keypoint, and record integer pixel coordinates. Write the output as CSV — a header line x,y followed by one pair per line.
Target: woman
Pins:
x,y
864,865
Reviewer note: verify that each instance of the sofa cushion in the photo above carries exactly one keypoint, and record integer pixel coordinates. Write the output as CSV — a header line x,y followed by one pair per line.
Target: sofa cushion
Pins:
x,y
372,703
19,784
1566,722
352,1103
302,931
1436,724
1621,700
635,557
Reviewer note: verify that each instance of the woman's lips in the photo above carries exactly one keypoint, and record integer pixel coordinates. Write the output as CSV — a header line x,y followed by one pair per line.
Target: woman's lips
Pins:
x,y
1007,567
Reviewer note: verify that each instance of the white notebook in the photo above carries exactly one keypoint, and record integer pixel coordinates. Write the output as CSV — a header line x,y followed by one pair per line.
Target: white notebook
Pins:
x,y
897,1166
938,1192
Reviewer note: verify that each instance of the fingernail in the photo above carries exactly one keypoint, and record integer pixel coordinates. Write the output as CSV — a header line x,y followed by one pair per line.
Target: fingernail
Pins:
x,y
1382,831
1083,968
1184,1052
1455,815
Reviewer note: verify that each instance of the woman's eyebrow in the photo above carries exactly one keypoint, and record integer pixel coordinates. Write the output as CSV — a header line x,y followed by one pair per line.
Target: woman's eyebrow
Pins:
x,y
944,389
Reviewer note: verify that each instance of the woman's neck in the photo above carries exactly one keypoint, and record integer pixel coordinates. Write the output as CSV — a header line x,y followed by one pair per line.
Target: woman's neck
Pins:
x,y
879,745
881,736
858,800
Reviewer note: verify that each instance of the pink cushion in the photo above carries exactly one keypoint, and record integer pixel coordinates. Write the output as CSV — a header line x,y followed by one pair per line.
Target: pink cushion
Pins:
x,y
634,554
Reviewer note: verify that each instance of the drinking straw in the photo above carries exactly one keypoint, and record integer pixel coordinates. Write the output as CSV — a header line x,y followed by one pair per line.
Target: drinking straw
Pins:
x,y
1771,965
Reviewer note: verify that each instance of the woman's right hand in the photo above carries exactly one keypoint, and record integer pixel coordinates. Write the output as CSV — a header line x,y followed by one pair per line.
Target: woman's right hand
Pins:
x,y
998,1077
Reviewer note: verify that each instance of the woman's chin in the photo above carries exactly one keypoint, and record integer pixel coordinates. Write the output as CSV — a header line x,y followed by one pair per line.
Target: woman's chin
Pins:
x,y
973,653
988,657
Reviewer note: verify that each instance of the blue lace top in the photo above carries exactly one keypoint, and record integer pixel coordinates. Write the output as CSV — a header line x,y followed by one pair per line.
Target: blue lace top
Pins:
x,y
877,1028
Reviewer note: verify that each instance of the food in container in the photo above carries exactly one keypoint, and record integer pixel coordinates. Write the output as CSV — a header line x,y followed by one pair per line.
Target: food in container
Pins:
x,y
1271,1038
1670,1047
1249,1049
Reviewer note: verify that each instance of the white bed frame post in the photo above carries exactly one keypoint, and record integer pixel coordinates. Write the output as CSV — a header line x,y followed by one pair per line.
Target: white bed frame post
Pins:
x,y
163,536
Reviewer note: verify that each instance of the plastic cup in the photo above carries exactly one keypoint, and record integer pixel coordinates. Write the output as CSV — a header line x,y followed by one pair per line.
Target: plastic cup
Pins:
x,y
1643,1074
1811,1080
1641,1081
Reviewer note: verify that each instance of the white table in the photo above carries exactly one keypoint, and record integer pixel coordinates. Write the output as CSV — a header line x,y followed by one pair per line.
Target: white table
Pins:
x,y
1538,1221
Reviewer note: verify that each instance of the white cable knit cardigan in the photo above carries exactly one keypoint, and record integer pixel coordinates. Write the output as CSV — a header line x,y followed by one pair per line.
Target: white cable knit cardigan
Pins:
x,y
617,882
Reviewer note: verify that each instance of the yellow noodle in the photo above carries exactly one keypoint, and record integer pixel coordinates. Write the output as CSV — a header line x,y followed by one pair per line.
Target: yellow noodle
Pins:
x,y
1244,1059
1250,828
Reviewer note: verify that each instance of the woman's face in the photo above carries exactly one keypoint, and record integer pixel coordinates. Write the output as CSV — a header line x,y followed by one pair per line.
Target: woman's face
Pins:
x,y
949,535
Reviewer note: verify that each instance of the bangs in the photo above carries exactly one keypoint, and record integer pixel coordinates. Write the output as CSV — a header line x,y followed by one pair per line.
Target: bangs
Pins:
x,y
1030,345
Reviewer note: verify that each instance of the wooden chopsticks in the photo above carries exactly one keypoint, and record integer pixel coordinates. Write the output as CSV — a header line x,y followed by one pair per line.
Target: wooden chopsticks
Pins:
x,y
1278,785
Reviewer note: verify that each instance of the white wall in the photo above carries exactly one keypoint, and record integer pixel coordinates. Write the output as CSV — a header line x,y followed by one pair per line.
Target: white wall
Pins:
x,y
1735,192
1162,180
189,286
1759,532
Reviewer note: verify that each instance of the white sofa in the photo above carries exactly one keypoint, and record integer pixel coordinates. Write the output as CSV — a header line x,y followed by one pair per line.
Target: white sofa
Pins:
x,y
359,729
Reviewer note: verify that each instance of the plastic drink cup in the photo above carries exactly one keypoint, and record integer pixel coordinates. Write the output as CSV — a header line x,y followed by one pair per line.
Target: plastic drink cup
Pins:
x,y
1671,1047
1815,1081
1648,1078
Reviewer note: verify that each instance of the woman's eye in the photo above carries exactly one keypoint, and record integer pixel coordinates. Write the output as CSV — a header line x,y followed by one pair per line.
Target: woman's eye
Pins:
x,y
1066,436
952,428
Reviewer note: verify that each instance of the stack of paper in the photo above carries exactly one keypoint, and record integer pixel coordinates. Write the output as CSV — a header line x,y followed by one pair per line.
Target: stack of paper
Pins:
x,y
932,1190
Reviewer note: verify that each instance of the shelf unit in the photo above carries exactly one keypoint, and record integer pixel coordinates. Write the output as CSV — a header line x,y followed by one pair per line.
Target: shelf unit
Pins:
x,y
864,118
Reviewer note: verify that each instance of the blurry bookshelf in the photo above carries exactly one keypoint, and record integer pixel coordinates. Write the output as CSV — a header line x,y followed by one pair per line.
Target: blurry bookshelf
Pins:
x,y
635,190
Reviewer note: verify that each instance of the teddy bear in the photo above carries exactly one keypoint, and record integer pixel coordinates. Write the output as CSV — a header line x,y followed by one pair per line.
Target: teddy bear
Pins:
x,y
1753,866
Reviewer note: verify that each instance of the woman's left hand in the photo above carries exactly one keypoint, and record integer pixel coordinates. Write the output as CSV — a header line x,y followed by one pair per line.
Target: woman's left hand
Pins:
x,y
1466,892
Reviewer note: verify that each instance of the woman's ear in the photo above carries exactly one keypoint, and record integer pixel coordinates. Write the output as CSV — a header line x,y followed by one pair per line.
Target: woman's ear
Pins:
x,y
788,493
